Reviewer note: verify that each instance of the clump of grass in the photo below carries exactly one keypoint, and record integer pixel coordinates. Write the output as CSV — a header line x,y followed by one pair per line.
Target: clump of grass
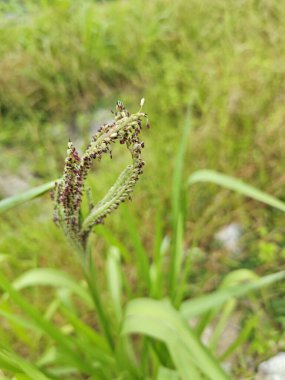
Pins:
x,y
71,57
221,59
76,349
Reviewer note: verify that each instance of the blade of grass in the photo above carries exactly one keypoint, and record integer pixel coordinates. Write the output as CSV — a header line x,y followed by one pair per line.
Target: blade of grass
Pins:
x,y
156,269
204,303
237,277
234,278
242,337
236,185
112,240
91,278
141,254
224,317
177,210
114,277
54,278
16,200
18,320
93,355
184,277
160,320
64,342
176,261
178,168
87,332
16,362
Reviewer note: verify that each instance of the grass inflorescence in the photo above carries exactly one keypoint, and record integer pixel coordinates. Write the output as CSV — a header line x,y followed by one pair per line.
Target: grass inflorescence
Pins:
x,y
69,190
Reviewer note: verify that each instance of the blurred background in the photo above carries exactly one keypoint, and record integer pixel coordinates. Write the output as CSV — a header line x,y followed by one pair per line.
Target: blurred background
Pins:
x,y
63,66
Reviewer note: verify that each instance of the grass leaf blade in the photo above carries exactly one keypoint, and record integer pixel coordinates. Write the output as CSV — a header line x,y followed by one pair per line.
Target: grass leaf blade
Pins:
x,y
204,303
54,278
16,200
160,320
236,185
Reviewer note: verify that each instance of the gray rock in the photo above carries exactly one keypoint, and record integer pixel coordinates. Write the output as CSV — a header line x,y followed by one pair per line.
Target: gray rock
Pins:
x,y
229,237
272,369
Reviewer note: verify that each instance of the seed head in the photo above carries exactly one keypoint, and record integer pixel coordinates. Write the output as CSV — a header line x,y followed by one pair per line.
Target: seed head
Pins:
x,y
68,192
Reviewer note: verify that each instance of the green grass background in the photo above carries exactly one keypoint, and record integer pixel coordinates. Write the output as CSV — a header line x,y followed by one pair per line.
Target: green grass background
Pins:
x,y
223,61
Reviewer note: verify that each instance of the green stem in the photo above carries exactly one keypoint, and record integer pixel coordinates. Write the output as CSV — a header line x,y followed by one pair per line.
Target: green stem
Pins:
x,y
176,259
90,276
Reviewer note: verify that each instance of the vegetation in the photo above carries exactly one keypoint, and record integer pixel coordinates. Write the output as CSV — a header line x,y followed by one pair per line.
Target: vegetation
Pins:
x,y
212,75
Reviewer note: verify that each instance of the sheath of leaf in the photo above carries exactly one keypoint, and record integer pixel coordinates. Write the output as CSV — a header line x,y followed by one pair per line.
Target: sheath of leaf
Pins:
x,y
69,190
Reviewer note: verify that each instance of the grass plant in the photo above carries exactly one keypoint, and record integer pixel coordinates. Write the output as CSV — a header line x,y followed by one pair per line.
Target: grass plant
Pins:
x,y
76,349
220,63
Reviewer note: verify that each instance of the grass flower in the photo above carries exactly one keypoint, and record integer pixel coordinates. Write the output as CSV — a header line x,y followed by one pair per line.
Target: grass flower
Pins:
x,y
69,191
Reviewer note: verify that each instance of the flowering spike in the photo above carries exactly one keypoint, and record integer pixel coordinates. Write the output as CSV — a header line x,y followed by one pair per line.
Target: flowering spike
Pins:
x,y
68,192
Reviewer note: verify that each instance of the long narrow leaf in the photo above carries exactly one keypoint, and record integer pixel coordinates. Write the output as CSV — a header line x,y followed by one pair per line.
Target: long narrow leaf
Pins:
x,y
204,303
16,200
139,250
112,240
178,169
54,278
64,342
20,321
156,267
86,332
176,258
235,185
22,365
114,278
160,320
